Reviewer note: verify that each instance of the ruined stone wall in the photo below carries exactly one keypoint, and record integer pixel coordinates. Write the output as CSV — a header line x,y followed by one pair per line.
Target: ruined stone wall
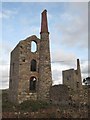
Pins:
x,y
41,57
69,78
25,72
72,78
14,74
21,73
85,94
22,57
59,95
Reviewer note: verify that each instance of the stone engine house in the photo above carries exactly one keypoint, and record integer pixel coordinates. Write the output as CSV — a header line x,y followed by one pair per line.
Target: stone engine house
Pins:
x,y
30,70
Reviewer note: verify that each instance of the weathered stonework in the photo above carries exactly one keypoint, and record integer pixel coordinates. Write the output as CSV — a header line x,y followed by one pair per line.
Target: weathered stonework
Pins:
x,y
72,78
59,95
21,73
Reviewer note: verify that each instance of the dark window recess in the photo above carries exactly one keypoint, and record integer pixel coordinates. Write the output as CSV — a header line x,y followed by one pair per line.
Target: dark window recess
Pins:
x,y
21,47
77,84
32,84
23,60
33,65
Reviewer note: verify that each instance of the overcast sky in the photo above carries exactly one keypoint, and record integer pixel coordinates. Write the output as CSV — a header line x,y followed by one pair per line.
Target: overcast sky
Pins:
x,y
68,27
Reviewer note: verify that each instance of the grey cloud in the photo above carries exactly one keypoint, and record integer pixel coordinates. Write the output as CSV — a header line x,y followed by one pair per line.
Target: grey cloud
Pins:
x,y
6,47
85,70
84,67
4,85
56,77
74,27
63,58
4,76
8,13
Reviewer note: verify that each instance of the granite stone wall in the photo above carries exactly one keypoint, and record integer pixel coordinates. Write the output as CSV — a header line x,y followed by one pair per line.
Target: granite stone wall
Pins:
x,y
14,75
59,95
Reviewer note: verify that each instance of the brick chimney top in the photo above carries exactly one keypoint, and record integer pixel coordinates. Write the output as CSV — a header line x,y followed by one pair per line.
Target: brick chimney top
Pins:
x,y
44,11
44,23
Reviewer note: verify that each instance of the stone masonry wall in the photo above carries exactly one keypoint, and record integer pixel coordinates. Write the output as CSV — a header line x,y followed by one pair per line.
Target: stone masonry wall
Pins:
x,y
68,78
14,74
45,78
59,95
25,72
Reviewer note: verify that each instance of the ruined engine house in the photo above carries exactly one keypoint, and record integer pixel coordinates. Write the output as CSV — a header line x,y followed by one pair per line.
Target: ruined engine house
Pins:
x,y
30,70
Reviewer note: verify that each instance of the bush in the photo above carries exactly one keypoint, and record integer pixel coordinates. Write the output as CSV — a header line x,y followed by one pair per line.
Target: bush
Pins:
x,y
33,105
6,105
28,105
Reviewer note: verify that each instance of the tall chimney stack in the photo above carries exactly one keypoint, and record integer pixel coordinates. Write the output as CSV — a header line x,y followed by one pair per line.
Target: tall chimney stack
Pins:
x,y
45,77
78,65
44,23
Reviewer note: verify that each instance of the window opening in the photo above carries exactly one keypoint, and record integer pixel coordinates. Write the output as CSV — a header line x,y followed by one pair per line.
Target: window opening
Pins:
x,y
33,46
33,65
21,47
23,59
32,84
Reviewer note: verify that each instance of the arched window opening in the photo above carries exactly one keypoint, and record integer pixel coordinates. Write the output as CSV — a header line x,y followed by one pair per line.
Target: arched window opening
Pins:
x,y
32,84
33,46
33,65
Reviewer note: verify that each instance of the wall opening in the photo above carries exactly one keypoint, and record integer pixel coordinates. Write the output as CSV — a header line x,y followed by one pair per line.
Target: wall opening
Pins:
x,y
33,46
23,59
33,65
32,86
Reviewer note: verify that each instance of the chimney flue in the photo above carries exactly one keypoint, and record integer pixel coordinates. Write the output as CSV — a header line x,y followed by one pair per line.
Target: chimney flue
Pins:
x,y
44,23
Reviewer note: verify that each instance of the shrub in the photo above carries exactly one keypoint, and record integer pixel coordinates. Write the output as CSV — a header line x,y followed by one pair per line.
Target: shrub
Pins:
x,y
33,105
